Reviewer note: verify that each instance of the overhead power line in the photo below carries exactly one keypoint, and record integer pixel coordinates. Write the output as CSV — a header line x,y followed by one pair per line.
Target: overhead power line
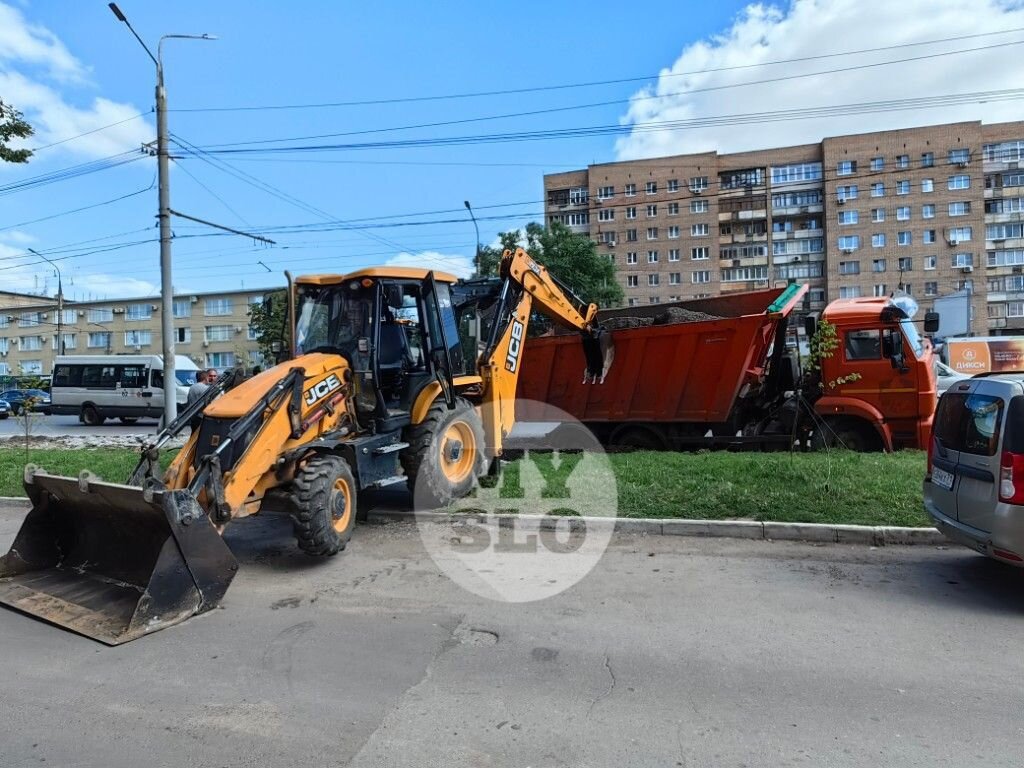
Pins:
x,y
591,83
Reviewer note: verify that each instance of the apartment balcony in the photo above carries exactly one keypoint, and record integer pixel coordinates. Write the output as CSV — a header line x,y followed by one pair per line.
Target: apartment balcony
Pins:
x,y
797,210
1002,218
998,297
752,214
797,234
741,239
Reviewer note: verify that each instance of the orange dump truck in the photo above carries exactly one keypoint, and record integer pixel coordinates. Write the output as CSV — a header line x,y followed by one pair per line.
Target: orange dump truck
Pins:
x,y
717,371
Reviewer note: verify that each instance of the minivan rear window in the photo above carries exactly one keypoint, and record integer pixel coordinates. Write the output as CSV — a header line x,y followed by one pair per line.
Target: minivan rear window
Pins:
x,y
969,423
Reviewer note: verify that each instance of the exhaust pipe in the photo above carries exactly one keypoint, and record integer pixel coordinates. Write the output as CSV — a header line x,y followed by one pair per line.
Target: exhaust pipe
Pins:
x,y
113,562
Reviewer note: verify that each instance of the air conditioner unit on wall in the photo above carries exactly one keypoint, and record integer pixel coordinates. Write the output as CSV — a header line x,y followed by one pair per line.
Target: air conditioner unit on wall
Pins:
x,y
967,268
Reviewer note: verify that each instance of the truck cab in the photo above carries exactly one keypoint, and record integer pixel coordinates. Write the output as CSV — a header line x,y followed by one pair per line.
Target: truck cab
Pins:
x,y
878,385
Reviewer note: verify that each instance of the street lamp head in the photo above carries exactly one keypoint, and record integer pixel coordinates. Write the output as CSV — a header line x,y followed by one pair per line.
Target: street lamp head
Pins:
x,y
466,203
117,12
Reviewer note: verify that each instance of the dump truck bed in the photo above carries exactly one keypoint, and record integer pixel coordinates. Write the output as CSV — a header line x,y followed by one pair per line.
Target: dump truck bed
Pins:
x,y
691,370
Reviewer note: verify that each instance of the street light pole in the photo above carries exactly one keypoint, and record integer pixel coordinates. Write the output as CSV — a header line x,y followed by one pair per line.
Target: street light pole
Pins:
x,y
60,300
476,258
164,216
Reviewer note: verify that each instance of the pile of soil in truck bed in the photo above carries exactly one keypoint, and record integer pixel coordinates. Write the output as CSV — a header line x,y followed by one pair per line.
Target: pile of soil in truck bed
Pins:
x,y
671,316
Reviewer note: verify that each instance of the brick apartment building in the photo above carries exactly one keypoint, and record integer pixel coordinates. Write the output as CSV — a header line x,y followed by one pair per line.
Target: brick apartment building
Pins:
x,y
210,328
931,211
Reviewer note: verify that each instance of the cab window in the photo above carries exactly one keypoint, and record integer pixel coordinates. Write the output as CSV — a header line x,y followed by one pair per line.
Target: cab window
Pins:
x,y
863,345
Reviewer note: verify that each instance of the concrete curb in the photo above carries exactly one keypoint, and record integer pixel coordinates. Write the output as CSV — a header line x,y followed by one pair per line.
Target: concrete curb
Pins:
x,y
875,536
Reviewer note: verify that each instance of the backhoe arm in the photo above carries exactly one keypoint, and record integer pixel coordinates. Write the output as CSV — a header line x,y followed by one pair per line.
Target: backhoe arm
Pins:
x,y
525,282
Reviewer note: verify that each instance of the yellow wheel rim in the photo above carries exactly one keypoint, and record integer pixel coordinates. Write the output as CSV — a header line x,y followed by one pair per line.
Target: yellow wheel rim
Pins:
x,y
458,451
341,505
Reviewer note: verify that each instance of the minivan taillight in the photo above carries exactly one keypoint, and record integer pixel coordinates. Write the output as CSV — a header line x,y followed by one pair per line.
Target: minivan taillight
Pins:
x,y
1011,478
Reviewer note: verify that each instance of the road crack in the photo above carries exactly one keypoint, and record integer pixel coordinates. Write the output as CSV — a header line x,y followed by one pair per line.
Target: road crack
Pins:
x,y
608,691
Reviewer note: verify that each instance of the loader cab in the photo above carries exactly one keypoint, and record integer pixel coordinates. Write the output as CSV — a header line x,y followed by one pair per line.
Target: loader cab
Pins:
x,y
396,328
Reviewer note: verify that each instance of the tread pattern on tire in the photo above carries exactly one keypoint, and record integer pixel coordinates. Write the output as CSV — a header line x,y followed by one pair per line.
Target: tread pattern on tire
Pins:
x,y
310,505
416,459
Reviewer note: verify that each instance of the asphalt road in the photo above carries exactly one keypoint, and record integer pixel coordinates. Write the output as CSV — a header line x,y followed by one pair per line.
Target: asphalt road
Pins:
x,y
61,426
672,652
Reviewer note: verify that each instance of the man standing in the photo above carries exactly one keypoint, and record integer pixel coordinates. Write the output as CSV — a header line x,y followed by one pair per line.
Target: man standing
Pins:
x,y
195,392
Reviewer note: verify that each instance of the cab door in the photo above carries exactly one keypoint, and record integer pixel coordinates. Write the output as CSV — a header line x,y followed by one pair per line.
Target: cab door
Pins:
x,y
437,303
977,488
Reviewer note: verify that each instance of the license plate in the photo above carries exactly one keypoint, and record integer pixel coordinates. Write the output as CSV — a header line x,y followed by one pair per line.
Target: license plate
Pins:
x,y
942,478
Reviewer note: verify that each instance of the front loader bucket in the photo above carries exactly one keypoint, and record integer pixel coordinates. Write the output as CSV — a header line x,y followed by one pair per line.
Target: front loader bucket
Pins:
x,y
113,562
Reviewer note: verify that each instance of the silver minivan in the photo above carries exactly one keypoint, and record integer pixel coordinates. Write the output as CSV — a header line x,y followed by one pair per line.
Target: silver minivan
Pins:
x,y
974,486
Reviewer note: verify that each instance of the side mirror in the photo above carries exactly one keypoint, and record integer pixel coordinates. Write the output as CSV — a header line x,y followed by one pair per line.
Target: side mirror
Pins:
x,y
892,347
931,322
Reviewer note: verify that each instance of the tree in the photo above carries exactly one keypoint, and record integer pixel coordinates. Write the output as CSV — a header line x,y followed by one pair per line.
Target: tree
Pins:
x,y
571,257
13,126
268,320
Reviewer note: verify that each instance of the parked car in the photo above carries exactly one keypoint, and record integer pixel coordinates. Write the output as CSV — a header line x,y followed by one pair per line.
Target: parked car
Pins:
x,y
974,486
945,377
17,398
5,409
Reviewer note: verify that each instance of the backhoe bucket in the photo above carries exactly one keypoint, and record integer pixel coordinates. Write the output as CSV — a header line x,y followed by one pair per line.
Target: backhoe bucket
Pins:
x,y
113,562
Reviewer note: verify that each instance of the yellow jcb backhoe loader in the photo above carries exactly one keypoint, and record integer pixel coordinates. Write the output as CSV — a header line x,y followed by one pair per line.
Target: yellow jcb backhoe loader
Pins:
x,y
378,391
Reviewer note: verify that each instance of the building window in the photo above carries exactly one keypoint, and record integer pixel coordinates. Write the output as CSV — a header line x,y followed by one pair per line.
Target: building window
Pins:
x,y
183,335
701,276
606,214
698,183
959,209
744,274
878,240
699,206
631,236
651,188
138,312
962,234
573,220
1015,309
928,236
31,343
927,159
674,278
4,321
70,317
654,300
631,257
28,319
846,167
878,215
927,185
608,238
673,209
959,156
1004,231
960,181
1007,152
138,338
878,189
903,187
218,307
217,333
906,263
931,288
1011,258
673,185
699,230
700,254
849,292
849,242
652,257
652,233
673,232
673,254
848,217
849,267
902,161
928,211
930,262
220,359
69,342
903,213
605,193
802,198
652,281
879,290
631,212
632,281
98,340
847,192
962,260
878,265
796,173
904,238
652,211
877,163
579,196
182,308
630,190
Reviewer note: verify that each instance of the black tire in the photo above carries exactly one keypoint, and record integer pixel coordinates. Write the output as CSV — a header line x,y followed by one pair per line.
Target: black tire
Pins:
x,y
851,435
439,465
640,438
128,419
91,417
323,505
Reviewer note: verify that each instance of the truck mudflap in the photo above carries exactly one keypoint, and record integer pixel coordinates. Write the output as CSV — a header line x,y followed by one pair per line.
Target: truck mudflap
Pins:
x,y
113,562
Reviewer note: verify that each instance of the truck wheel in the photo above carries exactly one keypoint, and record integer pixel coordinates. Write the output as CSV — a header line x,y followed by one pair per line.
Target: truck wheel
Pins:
x,y
323,505
91,417
638,437
128,419
852,435
445,454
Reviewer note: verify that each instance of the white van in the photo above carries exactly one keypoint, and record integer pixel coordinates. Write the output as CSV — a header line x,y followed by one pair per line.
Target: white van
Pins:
x,y
128,387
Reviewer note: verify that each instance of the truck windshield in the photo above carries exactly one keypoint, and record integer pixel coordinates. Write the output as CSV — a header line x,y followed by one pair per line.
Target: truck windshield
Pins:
x,y
331,318
912,336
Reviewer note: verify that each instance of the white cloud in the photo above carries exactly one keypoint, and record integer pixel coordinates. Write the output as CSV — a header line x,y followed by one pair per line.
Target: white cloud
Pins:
x,y
18,237
38,75
21,273
763,33
460,266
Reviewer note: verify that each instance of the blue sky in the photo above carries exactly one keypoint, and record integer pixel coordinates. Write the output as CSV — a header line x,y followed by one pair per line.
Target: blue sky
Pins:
x,y
72,67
